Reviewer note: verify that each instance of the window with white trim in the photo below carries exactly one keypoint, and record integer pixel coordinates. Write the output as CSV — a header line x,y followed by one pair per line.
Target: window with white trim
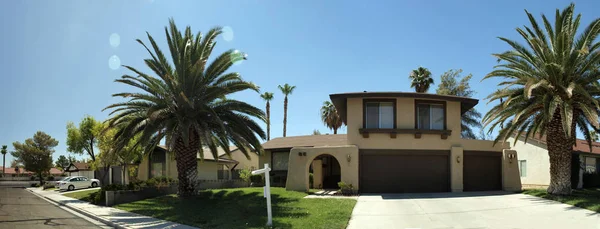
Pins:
x,y
523,168
591,167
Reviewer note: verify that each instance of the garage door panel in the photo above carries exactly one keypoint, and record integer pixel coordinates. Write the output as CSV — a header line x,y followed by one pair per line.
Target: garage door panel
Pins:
x,y
404,173
482,171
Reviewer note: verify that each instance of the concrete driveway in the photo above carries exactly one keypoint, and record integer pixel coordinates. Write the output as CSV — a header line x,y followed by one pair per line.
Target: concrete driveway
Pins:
x,y
467,210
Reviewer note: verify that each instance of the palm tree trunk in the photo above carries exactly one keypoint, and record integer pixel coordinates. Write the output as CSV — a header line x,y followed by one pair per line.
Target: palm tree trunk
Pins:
x,y
334,130
187,164
3,164
560,148
268,121
285,104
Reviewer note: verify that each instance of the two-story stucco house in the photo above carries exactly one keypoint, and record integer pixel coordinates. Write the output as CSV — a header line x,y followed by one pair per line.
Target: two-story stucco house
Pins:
x,y
395,142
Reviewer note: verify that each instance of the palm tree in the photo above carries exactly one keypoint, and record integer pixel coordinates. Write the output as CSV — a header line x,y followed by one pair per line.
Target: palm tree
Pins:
x,y
286,89
593,136
551,89
421,79
268,96
187,102
4,151
330,116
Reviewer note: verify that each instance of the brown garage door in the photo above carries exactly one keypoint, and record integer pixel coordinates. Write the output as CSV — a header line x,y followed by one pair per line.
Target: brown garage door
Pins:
x,y
482,171
393,171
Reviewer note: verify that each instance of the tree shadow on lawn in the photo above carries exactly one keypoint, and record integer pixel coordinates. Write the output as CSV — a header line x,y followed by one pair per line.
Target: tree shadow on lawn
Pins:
x,y
220,209
583,198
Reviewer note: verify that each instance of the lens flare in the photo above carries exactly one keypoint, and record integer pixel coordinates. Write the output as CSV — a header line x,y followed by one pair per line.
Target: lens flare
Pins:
x,y
114,62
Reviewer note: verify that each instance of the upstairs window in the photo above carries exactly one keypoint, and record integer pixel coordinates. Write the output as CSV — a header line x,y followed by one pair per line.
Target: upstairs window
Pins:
x,y
380,114
430,115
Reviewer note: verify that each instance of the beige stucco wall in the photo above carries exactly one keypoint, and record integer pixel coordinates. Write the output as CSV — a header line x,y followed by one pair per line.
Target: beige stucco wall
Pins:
x,y
510,171
143,169
297,179
405,119
264,158
244,163
538,162
317,166
456,169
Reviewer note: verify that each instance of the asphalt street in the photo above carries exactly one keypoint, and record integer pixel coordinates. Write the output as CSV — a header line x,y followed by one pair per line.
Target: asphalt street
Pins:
x,y
21,209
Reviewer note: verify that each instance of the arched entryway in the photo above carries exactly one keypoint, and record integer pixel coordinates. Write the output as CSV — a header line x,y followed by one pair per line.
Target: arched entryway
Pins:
x,y
326,172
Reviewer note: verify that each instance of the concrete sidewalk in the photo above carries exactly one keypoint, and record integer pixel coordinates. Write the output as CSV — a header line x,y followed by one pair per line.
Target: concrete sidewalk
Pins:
x,y
111,216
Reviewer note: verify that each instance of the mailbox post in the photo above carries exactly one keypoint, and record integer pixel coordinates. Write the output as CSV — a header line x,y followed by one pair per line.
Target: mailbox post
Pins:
x,y
266,191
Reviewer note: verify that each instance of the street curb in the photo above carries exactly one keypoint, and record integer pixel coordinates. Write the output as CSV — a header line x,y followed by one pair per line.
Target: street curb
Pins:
x,y
83,212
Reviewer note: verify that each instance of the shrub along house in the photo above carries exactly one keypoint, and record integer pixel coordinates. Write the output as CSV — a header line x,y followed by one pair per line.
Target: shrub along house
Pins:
x,y
534,163
395,142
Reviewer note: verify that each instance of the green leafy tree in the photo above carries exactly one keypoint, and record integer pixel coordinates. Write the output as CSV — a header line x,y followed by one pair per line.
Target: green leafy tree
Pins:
x,y
83,138
188,103
36,153
286,89
420,79
330,117
316,132
62,162
4,151
451,83
551,88
268,96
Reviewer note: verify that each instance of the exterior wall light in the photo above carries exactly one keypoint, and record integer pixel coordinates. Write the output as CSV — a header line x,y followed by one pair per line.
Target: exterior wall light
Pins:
x,y
510,157
458,159
348,157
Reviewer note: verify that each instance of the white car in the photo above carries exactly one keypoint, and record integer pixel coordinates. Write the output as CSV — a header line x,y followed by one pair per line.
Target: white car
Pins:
x,y
72,183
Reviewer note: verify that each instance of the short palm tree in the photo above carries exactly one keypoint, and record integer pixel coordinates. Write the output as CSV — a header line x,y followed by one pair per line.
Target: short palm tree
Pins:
x,y
268,96
421,79
551,89
330,117
4,151
187,102
286,89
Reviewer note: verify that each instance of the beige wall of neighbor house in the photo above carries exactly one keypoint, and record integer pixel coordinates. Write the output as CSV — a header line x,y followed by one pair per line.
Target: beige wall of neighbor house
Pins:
x,y
510,171
207,170
536,160
297,179
244,162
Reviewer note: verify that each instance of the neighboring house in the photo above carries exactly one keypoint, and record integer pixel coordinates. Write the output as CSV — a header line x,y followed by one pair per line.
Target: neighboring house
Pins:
x,y
162,163
396,142
80,169
12,172
534,162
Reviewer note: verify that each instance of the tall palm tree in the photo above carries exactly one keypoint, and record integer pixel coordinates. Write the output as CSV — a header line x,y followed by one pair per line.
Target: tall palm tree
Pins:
x,y
421,79
268,96
4,151
551,89
187,102
330,116
286,89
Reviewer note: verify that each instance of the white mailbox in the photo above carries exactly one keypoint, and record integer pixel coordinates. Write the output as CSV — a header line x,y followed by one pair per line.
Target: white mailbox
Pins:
x,y
266,191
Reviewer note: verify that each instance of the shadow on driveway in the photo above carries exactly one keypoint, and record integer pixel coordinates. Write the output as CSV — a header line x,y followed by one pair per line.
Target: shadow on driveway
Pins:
x,y
399,196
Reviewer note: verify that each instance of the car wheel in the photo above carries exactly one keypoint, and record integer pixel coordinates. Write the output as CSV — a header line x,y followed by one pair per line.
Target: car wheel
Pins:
x,y
71,188
94,184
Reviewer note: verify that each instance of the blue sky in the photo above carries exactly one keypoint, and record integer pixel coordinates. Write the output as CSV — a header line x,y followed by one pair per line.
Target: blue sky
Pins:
x,y
55,54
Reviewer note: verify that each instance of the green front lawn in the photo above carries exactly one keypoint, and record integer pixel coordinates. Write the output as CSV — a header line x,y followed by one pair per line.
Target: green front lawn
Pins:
x,y
246,208
83,195
585,198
